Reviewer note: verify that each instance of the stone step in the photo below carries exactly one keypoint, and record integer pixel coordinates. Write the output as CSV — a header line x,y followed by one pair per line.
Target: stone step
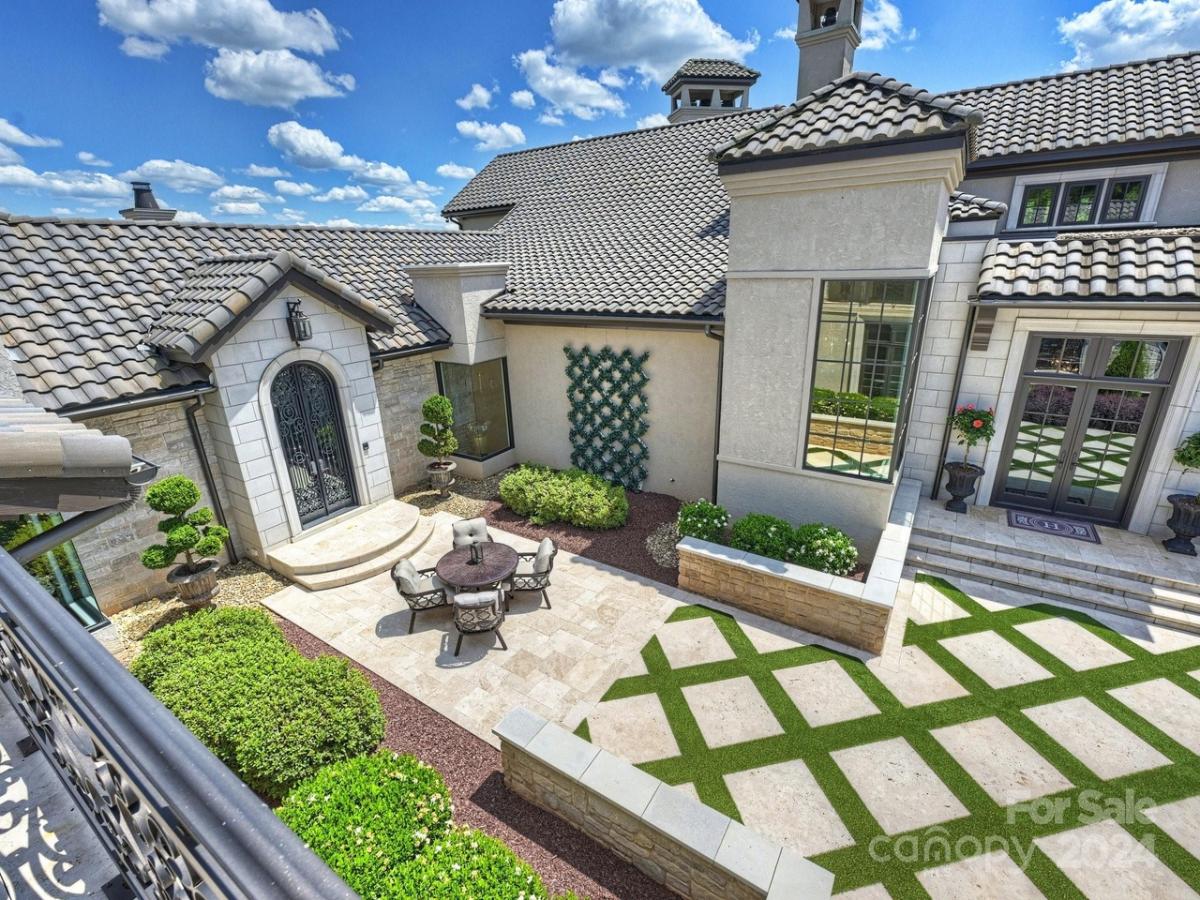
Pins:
x,y
365,536
1161,579
1122,586
409,546
973,577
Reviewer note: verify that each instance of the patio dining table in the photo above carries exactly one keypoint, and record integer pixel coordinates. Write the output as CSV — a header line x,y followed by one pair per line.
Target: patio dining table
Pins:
x,y
498,564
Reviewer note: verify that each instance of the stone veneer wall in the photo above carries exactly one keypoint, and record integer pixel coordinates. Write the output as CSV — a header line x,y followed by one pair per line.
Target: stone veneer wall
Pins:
x,y
852,612
402,385
110,552
694,850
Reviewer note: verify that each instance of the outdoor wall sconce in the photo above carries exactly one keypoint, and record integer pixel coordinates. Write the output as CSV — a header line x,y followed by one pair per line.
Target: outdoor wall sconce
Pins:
x,y
299,326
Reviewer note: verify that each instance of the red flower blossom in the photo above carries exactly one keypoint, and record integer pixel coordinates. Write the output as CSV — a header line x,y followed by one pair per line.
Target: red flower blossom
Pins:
x,y
978,423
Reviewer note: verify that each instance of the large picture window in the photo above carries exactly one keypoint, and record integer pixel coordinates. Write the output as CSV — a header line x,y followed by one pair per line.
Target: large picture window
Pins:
x,y
868,336
58,571
482,419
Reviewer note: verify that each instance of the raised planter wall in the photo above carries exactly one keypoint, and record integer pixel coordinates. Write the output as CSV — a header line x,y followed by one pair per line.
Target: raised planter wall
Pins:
x,y
690,848
852,612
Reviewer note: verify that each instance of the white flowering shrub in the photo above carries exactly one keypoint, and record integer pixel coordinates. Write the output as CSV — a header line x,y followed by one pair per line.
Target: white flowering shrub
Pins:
x,y
702,520
465,863
820,547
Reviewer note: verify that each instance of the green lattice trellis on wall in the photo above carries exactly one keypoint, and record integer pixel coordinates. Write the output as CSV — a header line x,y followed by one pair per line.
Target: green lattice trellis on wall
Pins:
x,y
607,393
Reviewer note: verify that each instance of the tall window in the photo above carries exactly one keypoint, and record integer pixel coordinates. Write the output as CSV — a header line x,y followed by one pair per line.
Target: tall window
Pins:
x,y
482,420
869,333
58,571
1107,198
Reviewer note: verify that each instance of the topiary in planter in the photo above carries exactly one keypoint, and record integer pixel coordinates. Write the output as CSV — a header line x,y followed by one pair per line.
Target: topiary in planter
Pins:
x,y
438,441
1185,508
192,534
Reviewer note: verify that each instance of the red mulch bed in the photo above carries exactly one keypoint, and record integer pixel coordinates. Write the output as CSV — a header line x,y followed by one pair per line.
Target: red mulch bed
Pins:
x,y
624,548
565,858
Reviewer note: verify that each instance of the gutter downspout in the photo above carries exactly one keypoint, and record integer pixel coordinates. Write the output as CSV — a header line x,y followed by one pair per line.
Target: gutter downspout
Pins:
x,y
972,312
77,525
720,339
206,469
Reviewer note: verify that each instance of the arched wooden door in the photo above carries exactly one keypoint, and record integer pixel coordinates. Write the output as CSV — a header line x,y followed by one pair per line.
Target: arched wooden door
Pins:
x,y
314,441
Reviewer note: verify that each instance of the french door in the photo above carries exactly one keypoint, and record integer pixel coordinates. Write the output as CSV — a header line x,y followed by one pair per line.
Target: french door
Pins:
x,y
1084,412
314,441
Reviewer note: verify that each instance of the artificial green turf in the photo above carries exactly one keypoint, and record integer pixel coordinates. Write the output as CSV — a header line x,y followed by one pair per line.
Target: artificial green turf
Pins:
x,y
854,866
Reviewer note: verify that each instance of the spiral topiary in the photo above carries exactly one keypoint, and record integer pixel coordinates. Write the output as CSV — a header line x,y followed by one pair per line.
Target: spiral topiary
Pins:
x,y
190,533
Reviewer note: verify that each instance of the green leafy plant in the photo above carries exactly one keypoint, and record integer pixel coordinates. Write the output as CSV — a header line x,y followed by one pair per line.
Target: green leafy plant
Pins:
x,y
606,391
762,535
191,533
703,520
204,631
1187,455
545,495
465,863
367,815
852,405
972,426
814,546
268,713
438,439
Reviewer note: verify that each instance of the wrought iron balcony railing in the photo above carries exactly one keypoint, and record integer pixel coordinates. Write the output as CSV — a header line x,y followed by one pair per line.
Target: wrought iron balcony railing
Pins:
x,y
177,823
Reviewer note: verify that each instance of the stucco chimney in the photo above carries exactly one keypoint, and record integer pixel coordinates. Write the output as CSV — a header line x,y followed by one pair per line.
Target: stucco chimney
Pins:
x,y
827,33
145,208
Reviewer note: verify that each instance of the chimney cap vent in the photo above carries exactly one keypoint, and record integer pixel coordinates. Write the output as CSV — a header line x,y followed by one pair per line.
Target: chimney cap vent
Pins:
x,y
145,207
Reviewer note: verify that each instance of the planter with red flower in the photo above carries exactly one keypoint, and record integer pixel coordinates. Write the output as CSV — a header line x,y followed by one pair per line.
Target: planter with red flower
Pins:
x,y
971,426
1185,508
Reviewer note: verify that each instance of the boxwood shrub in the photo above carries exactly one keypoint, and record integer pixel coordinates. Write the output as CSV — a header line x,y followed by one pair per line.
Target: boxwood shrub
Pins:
x,y
703,520
815,546
851,405
271,715
204,631
464,864
544,495
367,815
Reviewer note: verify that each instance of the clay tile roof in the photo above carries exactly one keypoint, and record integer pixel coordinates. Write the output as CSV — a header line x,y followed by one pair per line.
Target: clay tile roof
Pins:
x,y
78,298
1147,100
966,207
1160,265
711,70
861,108
220,289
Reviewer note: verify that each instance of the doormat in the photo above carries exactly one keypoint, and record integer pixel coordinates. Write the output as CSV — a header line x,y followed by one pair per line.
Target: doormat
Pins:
x,y
1080,531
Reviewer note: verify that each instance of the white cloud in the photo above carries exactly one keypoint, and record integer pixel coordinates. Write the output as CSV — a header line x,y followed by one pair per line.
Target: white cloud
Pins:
x,y
454,170
188,217
420,212
786,33
1120,30
654,120
566,88
91,159
310,148
11,134
8,156
177,174
295,188
522,99
341,223
234,208
478,97
94,185
236,24
549,118
611,78
243,192
60,211
351,192
652,36
254,170
381,173
140,48
270,78
490,136
883,25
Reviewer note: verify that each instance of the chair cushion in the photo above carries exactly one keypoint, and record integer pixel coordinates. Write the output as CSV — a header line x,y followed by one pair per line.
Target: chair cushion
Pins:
x,y
544,560
470,531
408,579
477,599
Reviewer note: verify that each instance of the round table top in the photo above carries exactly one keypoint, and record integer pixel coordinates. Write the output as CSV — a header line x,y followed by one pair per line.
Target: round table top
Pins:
x,y
499,562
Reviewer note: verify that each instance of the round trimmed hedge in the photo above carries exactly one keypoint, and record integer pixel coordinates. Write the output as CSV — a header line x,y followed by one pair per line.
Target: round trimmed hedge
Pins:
x,y
367,815
544,495
465,863
202,632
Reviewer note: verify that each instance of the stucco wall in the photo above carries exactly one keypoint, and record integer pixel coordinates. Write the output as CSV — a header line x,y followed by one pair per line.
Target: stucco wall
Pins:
x,y
110,552
402,386
682,393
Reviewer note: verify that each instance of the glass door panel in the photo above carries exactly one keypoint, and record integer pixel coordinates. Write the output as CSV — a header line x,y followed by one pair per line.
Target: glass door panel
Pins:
x,y
1107,447
1041,434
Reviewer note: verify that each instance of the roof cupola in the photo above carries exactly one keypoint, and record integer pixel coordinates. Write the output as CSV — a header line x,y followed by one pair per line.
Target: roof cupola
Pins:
x,y
703,88
827,33
145,208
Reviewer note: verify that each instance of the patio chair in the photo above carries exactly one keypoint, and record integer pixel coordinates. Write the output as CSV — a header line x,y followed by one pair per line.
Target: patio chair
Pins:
x,y
470,531
477,613
533,570
420,588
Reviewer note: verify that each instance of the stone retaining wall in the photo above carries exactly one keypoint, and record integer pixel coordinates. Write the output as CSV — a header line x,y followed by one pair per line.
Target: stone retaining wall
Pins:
x,y
852,612
694,850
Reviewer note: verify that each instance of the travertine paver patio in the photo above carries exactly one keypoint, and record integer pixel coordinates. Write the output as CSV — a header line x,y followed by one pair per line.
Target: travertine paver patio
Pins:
x,y
984,758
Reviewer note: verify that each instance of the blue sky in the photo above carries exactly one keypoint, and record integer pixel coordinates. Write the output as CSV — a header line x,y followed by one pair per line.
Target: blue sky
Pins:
x,y
373,111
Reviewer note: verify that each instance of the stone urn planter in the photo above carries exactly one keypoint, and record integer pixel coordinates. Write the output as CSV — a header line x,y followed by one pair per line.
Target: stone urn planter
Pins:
x,y
960,482
195,586
1185,522
441,476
